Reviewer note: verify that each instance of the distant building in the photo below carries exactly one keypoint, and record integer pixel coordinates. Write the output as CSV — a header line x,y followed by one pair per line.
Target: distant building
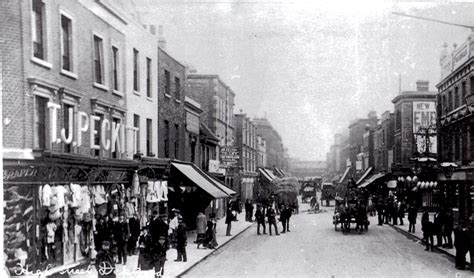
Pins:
x,y
275,150
261,152
359,131
307,168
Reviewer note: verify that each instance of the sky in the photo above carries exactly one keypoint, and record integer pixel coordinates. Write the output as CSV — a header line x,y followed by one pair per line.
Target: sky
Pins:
x,y
310,67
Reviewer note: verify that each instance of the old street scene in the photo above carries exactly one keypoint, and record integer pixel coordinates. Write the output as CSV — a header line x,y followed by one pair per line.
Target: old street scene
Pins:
x,y
155,138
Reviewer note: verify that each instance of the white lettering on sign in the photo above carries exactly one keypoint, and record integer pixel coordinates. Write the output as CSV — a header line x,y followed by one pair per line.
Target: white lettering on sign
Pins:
x,y
112,135
424,126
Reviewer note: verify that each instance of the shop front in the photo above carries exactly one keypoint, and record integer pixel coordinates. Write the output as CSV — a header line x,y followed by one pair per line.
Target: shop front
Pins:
x,y
457,192
51,207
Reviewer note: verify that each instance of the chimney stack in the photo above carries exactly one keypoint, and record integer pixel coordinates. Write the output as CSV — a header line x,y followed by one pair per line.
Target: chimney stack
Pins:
x,y
161,39
422,85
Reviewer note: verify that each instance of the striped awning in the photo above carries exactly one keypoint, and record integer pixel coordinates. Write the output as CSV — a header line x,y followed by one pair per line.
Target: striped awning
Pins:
x,y
364,175
345,174
265,174
372,179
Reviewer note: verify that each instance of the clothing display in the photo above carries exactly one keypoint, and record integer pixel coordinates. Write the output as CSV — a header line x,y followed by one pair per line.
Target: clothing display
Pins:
x,y
99,194
60,192
50,232
46,195
76,195
152,192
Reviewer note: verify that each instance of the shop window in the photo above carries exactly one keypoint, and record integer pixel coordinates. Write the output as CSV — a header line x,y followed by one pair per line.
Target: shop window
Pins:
x,y
41,123
39,29
148,77
167,82
136,71
115,68
136,124
66,43
98,60
149,137
167,139
176,141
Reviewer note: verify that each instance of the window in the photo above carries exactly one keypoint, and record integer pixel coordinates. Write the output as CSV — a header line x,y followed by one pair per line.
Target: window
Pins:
x,y
66,43
115,68
67,147
98,60
176,141
463,92
450,101
39,29
136,72
149,136
444,105
98,127
115,154
193,149
177,83
167,139
136,124
41,123
167,82
456,97
148,77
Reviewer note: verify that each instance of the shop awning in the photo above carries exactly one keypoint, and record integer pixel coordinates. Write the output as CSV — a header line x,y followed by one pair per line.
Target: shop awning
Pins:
x,y
265,174
364,175
200,179
372,179
345,174
222,186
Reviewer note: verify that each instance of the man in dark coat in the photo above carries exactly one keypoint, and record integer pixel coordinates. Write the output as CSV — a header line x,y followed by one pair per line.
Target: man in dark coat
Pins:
x,y
229,217
448,227
260,217
462,245
181,239
271,216
159,256
427,228
401,212
380,212
159,227
134,228
121,236
104,261
438,228
412,215
284,218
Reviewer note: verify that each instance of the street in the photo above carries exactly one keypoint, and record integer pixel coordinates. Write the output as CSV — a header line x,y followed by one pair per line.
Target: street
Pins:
x,y
314,249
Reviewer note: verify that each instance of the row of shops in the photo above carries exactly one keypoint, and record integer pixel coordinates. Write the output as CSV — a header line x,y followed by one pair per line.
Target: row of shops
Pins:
x,y
433,188
52,203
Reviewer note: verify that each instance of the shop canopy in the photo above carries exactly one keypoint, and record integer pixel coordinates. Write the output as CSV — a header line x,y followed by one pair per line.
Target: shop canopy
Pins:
x,y
222,186
265,174
364,175
345,174
200,179
372,179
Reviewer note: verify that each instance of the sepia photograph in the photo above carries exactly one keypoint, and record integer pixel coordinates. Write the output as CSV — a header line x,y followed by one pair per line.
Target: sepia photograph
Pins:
x,y
236,138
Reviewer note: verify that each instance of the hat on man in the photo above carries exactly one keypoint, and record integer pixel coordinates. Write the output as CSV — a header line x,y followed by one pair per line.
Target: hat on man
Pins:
x,y
162,237
106,243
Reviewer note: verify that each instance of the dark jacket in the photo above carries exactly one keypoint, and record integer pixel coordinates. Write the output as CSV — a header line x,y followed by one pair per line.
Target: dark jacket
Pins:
x,y
448,224
271,214
438,223
145,257
181,236
158,228
134,227
105,265
461,238
412,214
121,232
229,216
260,216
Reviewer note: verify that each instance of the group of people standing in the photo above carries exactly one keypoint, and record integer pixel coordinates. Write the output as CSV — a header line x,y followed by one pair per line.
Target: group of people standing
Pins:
x,y
270,213
390,211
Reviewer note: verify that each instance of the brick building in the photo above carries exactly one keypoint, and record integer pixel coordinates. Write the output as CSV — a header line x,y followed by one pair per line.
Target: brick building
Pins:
x,y
171,112
275,150
361,158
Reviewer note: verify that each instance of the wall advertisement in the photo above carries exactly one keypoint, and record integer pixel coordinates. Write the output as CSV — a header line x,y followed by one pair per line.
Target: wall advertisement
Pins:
x,y
424,126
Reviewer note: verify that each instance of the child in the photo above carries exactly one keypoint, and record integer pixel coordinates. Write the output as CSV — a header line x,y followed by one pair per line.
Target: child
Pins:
x,y
159,254
181,240
104,262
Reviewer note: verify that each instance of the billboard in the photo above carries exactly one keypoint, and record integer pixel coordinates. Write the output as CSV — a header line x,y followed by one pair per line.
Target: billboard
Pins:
x,y
424,126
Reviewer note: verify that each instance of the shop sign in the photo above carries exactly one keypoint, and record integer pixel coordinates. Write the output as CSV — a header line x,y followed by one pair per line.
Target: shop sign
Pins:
x,y
19,173
213,166
229,155
192,123
424,121
112,135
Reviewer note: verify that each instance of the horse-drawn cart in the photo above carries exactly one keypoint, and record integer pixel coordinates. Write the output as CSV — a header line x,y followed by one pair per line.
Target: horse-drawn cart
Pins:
x,y
348,212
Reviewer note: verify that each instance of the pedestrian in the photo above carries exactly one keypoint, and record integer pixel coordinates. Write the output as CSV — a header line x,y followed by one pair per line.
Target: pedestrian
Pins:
x,y
394,212
104,261
121,236
159,256
283,218
438,227
210,241
201,222
134,228
228,219
387,209
159,227
380,207
181,241
173,226
251,211
401,212
427,228
271,217
145,256
247,210
462,245
260,217
448,230
412,215
289,214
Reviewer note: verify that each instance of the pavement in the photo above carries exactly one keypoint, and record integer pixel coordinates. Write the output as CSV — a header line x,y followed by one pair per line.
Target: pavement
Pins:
x,y
172,268
419,235
314,249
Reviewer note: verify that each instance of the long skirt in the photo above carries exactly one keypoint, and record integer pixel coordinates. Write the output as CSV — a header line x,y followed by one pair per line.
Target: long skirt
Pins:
x,y
144,261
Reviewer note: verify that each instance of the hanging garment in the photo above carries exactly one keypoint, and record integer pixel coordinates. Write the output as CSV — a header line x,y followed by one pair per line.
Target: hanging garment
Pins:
x,y
130,210
54,212
50,232
85,205
135,185
164,191
99,194
77,234
115,189
60,193
40,195
46,195
76,195
152,192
